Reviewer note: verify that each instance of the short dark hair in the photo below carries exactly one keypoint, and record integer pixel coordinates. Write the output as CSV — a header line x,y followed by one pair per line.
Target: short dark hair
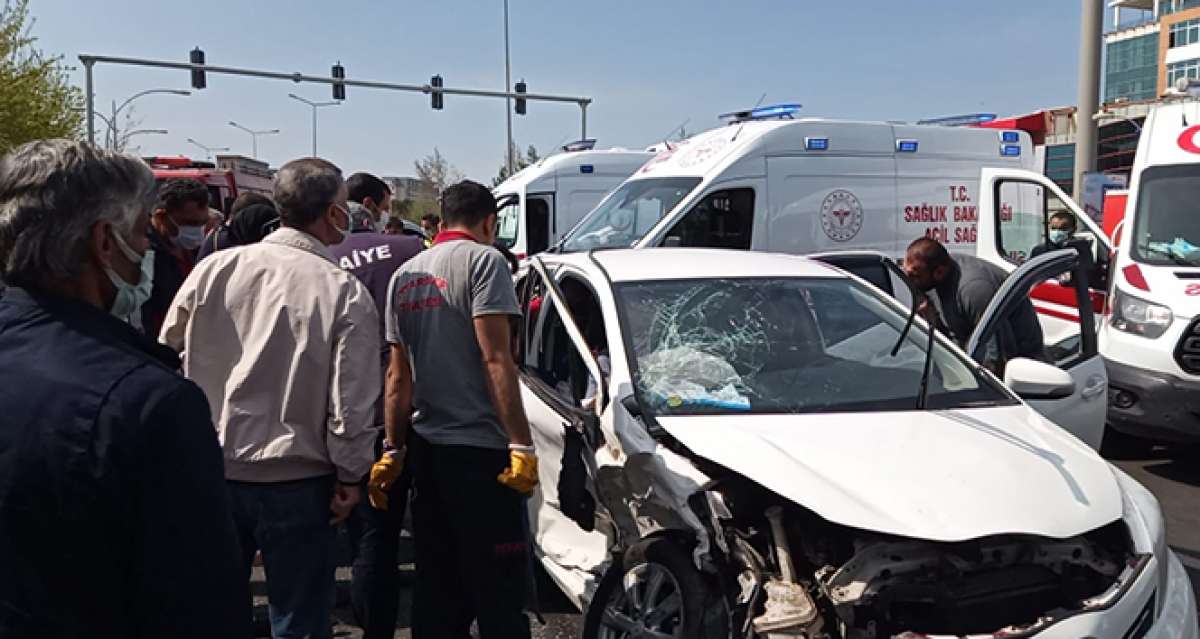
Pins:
x,y
394,223
305,189
249,198
1068,216
930,251
364,185
467,204
174,194
433,220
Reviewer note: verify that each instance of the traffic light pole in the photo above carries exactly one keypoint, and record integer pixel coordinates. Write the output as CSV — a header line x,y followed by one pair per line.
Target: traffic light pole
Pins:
x,y
90,60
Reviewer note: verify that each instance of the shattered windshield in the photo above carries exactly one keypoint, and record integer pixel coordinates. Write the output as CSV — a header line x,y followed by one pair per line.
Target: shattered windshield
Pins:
x,y
1167,219
628,213
790,345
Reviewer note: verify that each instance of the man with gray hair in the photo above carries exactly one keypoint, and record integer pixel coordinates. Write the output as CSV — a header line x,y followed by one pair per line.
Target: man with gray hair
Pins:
x,y
284,343
114,518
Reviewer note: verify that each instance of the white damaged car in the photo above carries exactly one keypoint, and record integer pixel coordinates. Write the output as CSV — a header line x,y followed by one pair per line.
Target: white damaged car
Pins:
x,y
738,444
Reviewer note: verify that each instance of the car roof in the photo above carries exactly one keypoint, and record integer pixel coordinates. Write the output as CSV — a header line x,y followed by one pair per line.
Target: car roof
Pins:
x,y
646,264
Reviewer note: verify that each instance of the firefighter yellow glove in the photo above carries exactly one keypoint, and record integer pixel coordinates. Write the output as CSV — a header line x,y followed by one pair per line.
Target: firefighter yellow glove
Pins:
x,y
521,474
384,473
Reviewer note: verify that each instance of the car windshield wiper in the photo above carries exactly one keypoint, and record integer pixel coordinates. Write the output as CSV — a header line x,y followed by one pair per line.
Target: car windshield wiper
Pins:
x,y
923,389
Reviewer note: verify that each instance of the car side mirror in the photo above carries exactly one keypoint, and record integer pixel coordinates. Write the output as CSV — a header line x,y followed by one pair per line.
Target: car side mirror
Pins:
x,y
1031,379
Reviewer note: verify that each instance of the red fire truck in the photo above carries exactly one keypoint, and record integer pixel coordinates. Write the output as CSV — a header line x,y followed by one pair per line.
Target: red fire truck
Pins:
x,y
226,179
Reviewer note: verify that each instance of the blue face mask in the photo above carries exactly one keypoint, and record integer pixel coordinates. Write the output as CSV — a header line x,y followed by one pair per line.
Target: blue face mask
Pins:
x,y
1058,236
130,297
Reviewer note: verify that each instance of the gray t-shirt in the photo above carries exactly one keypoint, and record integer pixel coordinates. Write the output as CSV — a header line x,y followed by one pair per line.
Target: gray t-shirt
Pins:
x,y
432,302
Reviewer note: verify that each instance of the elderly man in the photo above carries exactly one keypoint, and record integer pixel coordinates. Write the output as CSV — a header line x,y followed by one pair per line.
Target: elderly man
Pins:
x,y
286,345
114,518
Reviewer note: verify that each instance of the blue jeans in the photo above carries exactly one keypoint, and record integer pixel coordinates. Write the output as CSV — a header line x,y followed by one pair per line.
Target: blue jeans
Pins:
x,y
289,523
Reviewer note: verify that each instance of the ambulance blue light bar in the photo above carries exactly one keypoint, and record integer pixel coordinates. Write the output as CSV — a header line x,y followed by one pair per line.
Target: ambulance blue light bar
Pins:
x,y
1010,150
586,168
762,113
959,120
580,145
1010,137
906,146
816,144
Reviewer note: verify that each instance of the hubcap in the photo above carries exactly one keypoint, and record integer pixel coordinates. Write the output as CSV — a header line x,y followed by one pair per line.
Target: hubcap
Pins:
x,y
648,605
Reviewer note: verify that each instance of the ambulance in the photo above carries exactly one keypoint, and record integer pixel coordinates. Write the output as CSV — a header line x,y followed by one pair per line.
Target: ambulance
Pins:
x,y
540,203
771,181
1151,340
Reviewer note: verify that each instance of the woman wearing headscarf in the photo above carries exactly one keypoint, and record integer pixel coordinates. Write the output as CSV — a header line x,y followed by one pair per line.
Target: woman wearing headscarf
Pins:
x,y
249,225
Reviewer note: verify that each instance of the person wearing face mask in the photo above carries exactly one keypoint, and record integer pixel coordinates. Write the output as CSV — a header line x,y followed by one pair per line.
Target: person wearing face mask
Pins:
x,y
375,534
176,231
286,343
114,517
1060,234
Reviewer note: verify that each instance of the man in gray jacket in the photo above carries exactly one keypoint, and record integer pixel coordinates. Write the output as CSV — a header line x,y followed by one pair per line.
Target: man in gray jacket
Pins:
x,y
282,340
964,286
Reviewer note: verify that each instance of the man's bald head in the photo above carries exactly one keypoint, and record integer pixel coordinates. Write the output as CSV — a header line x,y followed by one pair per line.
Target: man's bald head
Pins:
x,y
926,263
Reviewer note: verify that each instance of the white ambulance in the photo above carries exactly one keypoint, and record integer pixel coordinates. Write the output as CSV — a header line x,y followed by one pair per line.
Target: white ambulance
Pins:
x,y
540,203
1151,341
769,181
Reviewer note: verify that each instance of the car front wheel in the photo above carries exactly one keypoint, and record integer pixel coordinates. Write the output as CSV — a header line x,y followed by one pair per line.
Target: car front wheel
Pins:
x,y
656,592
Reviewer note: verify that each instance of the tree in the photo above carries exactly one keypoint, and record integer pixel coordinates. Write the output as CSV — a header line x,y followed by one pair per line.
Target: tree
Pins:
x,y
519,162
36,101
436,172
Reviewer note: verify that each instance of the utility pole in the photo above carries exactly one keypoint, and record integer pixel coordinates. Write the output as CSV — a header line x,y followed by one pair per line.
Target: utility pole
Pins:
x,y
1090,35
508,150
314,106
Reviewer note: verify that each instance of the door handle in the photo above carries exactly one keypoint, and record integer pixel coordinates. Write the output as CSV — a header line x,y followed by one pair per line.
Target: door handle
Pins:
x,y
1096,386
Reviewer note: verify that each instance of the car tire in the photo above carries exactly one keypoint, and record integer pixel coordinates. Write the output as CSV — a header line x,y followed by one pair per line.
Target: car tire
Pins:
x,y
684,604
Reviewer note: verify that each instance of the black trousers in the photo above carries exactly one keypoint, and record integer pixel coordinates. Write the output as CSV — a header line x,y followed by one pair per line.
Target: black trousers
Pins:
x,y
472,546
375,547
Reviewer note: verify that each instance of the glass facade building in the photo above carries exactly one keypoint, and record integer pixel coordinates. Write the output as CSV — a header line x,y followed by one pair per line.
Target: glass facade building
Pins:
x,y
1131,68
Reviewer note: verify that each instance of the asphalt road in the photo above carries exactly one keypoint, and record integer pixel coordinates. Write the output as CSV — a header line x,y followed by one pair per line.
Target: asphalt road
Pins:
x,y
1173,475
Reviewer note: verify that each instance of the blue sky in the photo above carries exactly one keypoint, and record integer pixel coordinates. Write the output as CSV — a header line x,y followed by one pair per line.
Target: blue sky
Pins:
x,y
649,65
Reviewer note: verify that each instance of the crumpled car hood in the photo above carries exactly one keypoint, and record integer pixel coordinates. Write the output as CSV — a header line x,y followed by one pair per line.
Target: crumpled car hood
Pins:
x,y
935,475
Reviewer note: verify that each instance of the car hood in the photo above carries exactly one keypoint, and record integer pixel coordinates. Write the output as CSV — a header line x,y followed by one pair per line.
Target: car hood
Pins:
x,y
938,475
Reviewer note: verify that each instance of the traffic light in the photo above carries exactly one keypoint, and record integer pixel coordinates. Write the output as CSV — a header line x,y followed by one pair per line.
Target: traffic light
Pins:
x,y
197,57
520,105
435,97
339,89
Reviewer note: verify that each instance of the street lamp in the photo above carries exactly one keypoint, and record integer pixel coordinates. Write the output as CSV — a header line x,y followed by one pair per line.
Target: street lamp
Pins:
x,y
208,150
254,135
315,106
116,110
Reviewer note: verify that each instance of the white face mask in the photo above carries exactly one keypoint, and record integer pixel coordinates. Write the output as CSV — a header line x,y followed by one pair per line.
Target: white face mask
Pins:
x,y
130,297
190,236
1058,236
346,231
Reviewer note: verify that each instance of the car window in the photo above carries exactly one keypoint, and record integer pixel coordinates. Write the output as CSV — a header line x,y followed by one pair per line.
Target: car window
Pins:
x,y
722,219
783,345
548,354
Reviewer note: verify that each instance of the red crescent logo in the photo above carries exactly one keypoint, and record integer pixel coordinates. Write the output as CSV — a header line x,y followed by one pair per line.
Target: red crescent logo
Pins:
x,y
1187,139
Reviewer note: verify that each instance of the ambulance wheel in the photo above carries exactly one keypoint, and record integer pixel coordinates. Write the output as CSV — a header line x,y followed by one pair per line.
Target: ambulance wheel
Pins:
x,y
656,591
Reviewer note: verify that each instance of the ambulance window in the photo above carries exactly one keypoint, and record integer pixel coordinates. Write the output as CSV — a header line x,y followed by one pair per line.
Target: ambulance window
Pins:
x,y
1021,219
537,225
508,224
723,219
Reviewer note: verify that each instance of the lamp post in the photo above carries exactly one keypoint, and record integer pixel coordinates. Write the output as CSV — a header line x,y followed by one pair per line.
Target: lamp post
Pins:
x,y
508,150
113,133
208,150
315,106
254,135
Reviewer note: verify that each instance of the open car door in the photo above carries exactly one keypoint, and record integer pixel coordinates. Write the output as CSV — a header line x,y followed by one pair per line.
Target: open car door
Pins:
x,y
555,364
1082,411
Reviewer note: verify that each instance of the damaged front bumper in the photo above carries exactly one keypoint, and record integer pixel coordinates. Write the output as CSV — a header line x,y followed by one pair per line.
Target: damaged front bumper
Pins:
x,y
1136,615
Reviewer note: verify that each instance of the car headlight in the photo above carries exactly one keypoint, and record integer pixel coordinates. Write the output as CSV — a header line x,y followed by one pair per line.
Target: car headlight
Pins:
x,y
1138,317
1143,515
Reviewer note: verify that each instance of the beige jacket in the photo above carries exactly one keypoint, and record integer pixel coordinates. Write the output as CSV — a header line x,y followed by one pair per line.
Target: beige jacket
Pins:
x,y
286,345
